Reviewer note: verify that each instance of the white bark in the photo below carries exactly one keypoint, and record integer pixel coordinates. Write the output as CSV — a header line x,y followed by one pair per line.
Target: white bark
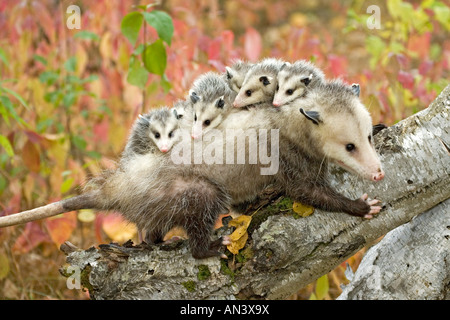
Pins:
x,y
411,262
288,253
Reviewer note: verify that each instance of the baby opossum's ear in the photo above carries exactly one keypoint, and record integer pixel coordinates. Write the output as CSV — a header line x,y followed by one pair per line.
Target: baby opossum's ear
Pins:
x,y
286,64
314,116
229,72
178,116
306,80
220,103
265,80
194,97
356,89
143,120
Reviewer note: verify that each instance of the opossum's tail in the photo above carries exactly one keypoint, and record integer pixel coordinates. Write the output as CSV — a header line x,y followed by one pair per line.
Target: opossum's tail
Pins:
x,y
83,201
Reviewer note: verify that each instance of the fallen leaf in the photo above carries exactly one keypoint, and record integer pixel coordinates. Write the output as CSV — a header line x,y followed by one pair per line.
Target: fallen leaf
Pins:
x,y
237,245
240,235
302,210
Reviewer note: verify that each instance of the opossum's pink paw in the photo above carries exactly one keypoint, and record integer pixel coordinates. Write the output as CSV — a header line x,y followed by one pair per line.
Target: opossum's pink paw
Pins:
x,y
172,240
372,204
226,240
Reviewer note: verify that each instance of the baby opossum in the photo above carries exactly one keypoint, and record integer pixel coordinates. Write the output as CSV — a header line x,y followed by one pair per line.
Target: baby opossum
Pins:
x,y
235,74
294,79
156,129
328,125
185,113
259,83
211,99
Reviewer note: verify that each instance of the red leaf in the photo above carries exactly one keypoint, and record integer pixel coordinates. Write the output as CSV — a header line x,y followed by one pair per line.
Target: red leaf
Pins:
x,y
228,38
30,238
214,50
338,65
30,156
406,79
252,44
61,227
425,66
101,131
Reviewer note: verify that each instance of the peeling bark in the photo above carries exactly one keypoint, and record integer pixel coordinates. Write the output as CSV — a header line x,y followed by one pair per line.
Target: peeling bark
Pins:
x,y
285,253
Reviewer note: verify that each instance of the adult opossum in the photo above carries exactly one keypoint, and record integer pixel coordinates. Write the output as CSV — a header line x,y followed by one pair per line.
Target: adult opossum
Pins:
x,y
329,125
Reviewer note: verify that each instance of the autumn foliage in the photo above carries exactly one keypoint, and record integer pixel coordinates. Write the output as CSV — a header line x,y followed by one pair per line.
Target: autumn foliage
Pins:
x,y
69,96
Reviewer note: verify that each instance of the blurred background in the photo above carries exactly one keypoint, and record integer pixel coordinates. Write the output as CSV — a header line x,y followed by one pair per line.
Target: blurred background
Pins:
x,y
69,96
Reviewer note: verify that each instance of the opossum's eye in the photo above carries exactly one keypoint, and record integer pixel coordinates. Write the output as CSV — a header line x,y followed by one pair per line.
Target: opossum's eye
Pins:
x,y
195,117
370,139
350,147
171,134
248,93
278,88
157,135
207,122
289,92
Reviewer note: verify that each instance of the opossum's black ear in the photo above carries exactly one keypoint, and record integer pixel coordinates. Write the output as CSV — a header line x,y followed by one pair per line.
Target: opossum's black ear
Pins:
x,y
194,97
306,80
314,116
220,103
356,89
144,120
377,128
229,72
178,116
265,80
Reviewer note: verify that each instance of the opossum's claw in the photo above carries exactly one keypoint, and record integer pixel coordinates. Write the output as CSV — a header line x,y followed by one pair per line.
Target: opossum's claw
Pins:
x,y
372,203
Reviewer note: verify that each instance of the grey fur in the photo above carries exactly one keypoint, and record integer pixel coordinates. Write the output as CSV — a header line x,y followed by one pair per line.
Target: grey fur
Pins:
x,y
141,140
235,74
260,83
213,103
295,79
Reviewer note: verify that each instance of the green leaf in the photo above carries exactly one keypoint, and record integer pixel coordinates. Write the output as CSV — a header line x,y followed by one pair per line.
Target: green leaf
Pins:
x,y
86,35
137,75
17,96
48,77
163,24
165,84
9,111
71,64
4,142
322,287
3,57
130,26
155,58
79,142
39,58
66,185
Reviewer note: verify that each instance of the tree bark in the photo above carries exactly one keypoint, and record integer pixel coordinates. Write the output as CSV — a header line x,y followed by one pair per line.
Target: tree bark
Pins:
x,y
283,252
411,262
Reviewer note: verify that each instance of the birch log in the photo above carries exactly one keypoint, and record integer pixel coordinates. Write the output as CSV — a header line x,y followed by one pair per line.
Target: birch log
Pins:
x,y
285,253
411,262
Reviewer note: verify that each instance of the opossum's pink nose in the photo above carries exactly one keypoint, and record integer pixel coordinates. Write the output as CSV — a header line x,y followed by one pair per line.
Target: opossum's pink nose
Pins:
x,y
276,104
235,104
164,149
378,176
